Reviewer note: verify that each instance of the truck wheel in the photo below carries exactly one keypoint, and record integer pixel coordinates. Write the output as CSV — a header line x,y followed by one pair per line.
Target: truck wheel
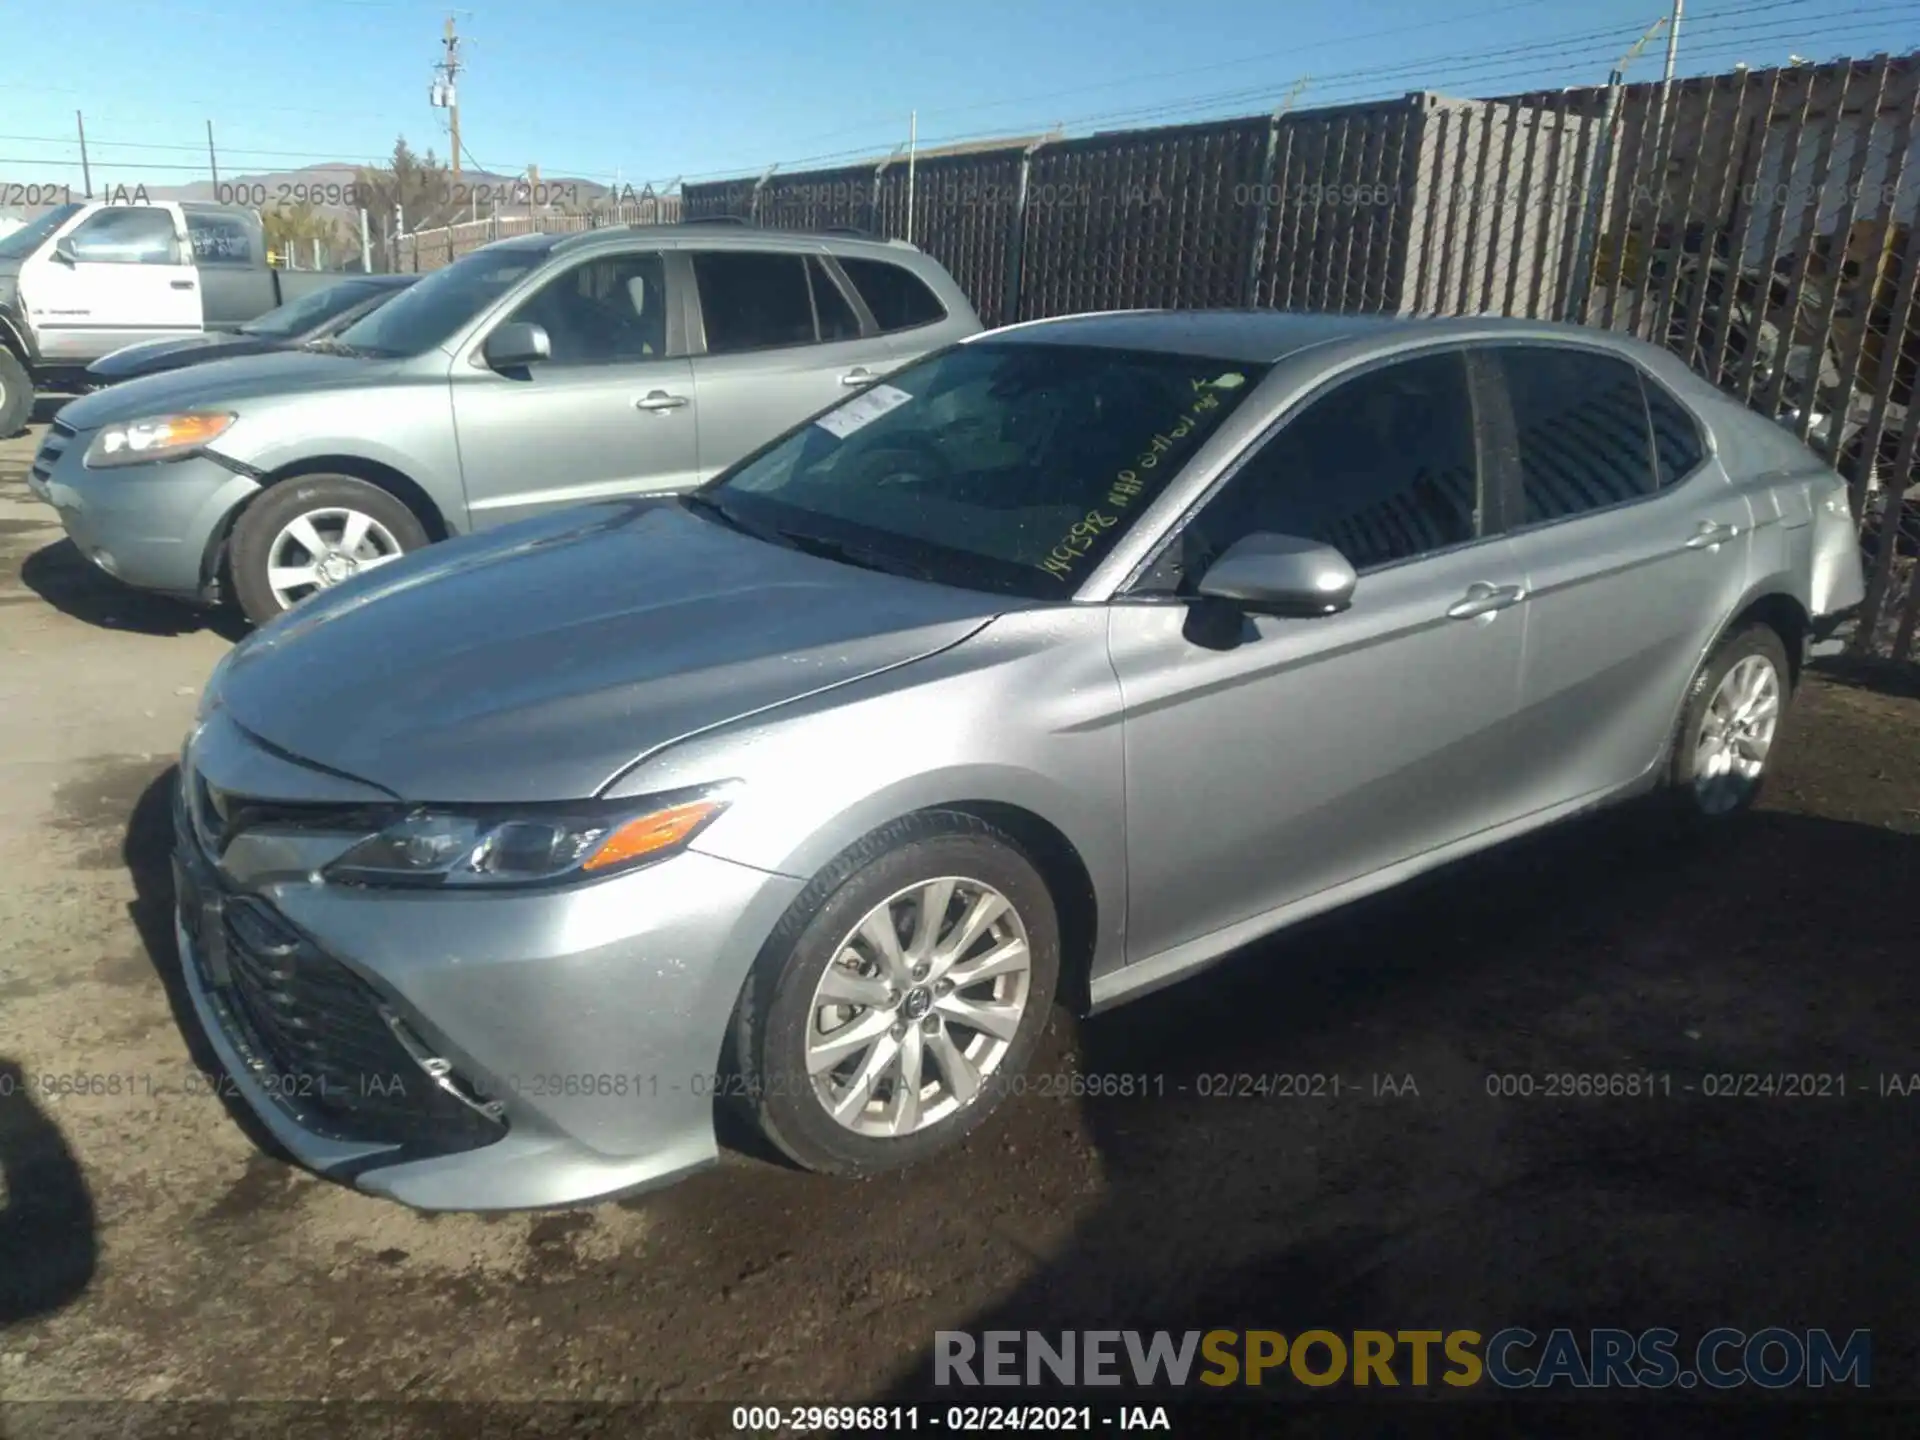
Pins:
x,y
16,395
310,533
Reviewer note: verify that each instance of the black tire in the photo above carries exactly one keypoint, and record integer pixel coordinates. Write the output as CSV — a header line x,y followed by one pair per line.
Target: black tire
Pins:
x,y
16,394
776,1008
1734,794
280,505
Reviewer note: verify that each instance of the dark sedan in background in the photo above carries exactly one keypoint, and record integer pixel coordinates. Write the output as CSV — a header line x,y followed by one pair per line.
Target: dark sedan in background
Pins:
x,y
312,317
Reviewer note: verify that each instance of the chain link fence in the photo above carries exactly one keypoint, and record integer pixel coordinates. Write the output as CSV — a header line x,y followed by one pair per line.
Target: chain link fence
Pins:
x,y
424,250
1759,223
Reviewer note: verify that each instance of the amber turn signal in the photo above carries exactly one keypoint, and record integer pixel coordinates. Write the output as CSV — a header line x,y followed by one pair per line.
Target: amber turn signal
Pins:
x,y
646,834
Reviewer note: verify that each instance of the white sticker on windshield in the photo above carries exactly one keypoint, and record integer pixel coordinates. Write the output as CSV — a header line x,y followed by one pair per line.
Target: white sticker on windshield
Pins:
x,y
862,410
1232,380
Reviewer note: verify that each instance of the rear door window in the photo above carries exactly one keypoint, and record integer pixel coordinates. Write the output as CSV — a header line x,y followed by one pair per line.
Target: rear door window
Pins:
x,y
898,298
1580,430
1678,446
753,300
835,316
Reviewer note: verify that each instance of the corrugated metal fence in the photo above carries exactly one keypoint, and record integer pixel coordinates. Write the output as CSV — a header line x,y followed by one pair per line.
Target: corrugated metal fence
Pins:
x,y
1761,223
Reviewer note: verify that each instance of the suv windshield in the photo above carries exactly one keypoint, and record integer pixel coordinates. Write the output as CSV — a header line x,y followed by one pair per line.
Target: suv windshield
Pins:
x,y
998,466
24,241
308,311
425,314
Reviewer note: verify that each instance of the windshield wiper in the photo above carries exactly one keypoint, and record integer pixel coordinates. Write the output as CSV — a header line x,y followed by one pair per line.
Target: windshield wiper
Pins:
x,y
854,555
725,514
799,540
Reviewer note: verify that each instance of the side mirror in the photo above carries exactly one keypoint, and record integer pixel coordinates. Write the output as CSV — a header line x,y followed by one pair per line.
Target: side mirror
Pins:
x,y
515,345
64,252
1281,575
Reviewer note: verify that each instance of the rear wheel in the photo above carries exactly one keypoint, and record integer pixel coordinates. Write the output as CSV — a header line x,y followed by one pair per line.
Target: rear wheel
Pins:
x,y
1732,717
902,995
16,394
311,533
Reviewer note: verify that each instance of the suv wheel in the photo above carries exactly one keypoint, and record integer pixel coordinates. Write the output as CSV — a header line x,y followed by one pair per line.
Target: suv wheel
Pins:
x,y
1733,712
16,394
904,991
308,534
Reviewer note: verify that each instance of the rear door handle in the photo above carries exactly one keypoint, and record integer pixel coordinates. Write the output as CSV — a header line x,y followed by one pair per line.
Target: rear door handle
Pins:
x,y
1484,599
659,400
182,284
1709,533
859,375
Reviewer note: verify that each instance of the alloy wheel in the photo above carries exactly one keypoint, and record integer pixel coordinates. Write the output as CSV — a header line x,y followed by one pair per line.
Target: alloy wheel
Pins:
x,y
321,548
1736,732
918,1007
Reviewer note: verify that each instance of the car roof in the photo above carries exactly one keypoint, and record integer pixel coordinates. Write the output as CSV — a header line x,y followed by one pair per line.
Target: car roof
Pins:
x,y
720,236
1273,335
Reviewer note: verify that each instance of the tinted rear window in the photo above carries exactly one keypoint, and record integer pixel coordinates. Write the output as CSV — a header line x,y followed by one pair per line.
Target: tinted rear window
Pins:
x,y
897,297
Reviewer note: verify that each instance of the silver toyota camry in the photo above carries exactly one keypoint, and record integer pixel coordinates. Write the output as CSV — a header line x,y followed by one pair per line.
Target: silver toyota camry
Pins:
x,y
1057,666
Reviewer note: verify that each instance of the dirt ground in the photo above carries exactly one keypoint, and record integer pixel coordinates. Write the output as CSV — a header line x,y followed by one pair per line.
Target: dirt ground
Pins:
x,y
151,1252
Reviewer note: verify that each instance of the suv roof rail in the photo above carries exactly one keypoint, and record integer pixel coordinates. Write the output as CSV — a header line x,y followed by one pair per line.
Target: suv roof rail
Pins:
x,y
715,220
858,232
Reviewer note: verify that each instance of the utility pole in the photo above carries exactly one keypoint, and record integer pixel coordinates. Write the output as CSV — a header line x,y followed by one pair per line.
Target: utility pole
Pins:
x,y
913,145
86,171
1673,39
213,162
445,93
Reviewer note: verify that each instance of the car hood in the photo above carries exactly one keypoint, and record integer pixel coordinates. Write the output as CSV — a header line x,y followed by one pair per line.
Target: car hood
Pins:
x,y
540,661
150,356
223,383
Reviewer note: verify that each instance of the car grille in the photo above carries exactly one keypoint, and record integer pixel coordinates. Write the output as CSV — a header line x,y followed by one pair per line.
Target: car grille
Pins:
x,y
58,437
328,1049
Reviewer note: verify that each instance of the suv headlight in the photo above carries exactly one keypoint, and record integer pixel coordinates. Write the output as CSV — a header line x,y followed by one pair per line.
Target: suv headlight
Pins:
x,y
447,847
158,437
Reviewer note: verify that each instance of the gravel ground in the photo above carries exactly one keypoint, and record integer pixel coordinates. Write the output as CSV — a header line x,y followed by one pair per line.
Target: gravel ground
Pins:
x,y
151,1252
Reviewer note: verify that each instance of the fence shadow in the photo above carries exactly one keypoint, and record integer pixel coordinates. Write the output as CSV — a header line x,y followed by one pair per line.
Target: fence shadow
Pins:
x,y
1605,948
49,1244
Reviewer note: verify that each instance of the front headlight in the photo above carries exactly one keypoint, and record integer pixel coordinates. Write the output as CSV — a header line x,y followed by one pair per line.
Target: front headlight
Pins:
x,y
158,437
433,846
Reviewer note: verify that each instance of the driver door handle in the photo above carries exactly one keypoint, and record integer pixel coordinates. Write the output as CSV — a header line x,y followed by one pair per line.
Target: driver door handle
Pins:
x,y
859,375
1484,599
659,400
1709,533
181,284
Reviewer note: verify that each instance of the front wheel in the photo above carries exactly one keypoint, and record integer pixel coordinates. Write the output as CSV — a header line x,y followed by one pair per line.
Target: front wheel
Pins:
x,y
308,534
900,998
1733,712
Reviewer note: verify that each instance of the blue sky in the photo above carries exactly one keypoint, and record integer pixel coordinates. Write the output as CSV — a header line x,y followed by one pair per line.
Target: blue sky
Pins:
x,y
712,88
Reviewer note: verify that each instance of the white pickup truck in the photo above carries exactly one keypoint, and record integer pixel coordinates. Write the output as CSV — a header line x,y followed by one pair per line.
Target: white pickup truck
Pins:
x,y
84,279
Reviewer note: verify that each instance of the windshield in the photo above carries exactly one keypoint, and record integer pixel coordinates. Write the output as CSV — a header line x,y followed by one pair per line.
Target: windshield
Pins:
x,y
1012,467
299,316
424,315
23,242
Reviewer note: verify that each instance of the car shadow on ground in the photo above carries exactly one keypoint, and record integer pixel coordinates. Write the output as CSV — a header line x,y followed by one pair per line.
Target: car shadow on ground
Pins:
x,y
147,852
60,575
1885,677
49,1245
1619,946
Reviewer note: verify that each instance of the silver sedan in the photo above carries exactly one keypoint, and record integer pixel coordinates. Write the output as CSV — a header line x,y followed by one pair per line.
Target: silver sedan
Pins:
x,y
1057,666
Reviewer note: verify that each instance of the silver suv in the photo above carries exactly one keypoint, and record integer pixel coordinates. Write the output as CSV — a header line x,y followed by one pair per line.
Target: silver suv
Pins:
x,y
534,373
